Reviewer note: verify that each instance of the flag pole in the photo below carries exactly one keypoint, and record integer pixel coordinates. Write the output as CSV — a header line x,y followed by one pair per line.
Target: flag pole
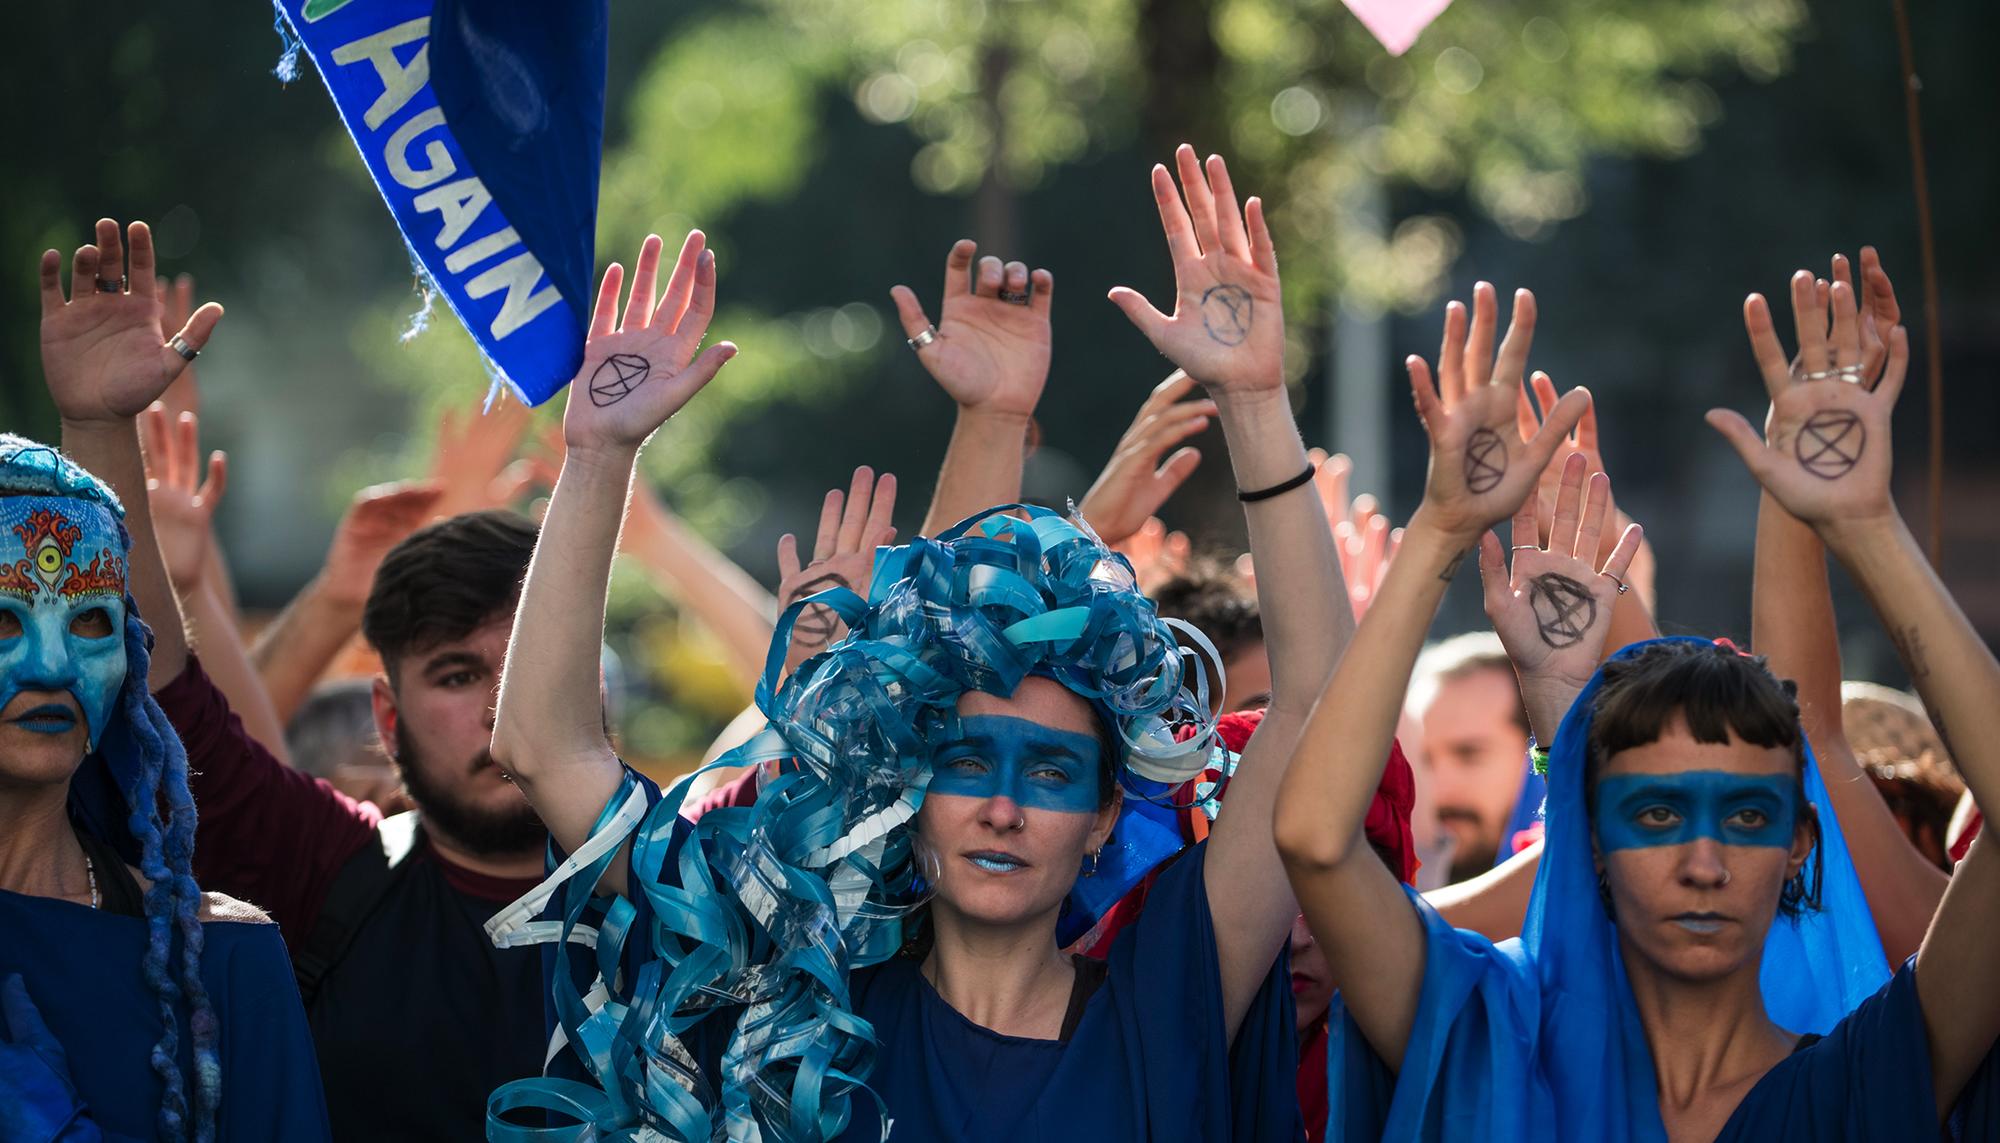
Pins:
x,y
1933,339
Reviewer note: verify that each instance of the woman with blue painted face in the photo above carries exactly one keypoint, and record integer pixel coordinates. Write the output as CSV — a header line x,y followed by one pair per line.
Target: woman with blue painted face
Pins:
x,y
872,948
132,1004
1699,960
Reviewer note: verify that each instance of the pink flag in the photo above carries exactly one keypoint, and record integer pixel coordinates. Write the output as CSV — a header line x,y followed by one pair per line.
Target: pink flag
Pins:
x,y
1397,23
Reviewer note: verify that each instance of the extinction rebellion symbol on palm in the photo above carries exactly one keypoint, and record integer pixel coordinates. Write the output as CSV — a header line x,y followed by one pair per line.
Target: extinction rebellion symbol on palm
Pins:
x,y
1830,442
617,377
1485,461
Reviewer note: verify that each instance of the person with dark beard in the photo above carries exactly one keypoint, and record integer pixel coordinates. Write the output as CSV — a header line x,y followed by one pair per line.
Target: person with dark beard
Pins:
x,y
415,1014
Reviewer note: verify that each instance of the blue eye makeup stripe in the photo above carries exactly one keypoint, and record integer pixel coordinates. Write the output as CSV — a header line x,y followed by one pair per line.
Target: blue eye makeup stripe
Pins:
x,y
1636,811
991,755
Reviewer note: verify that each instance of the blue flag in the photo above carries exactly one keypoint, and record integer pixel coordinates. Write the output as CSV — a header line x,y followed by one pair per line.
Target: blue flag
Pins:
x,y
482,122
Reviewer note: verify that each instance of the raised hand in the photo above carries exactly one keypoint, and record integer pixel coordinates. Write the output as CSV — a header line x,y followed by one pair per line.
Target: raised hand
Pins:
x,y
1554,610
377,519
1156,554
1227,330
851,527
1481,471
183,394
104,353
183,510
1366,544
473,450
1825,451
990,347
639,372
1141,474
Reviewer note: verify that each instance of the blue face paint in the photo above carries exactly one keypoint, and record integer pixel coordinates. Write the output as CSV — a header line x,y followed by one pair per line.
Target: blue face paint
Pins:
x,y
1639,810
990,755
62,604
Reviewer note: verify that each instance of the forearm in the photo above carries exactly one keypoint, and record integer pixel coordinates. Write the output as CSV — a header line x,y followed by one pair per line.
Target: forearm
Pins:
x,y
1337,763
1373,938
293,652
1946,659
1791,619
1307,623
110,451
724,597
1792,624
549,731
981,469
215,572
1301,595
1495,903
222,654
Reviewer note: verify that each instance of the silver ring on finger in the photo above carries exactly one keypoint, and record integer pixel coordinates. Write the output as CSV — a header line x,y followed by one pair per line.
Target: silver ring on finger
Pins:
x,y
179,345
1525,548
1852,374
928,335
113,285
1622,586
1014,299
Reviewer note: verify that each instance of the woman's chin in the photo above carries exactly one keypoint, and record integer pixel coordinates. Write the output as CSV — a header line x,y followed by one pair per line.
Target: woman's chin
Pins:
x,y
32,758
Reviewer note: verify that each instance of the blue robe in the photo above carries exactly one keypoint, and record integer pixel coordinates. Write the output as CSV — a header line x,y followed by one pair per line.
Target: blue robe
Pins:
x,y
82,968
1539,1038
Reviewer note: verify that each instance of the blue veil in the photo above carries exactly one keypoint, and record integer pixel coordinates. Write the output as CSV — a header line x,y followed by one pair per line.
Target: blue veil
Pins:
x,y
1539,1037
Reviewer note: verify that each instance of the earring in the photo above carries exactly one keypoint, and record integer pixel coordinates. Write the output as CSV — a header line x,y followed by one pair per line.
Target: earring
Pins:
x,y
1094,856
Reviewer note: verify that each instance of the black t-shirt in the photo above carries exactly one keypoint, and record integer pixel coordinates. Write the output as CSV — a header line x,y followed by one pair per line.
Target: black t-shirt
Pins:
x,y
422,1017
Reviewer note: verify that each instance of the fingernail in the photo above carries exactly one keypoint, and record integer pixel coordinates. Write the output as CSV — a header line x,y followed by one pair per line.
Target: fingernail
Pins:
x,y
707,259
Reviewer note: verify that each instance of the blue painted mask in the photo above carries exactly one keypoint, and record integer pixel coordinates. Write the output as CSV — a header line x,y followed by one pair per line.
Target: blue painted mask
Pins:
x,y
62,603
989,755
1635,811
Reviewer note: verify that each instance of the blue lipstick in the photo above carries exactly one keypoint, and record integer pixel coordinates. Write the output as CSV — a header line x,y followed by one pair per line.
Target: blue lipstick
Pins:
x,y
48,718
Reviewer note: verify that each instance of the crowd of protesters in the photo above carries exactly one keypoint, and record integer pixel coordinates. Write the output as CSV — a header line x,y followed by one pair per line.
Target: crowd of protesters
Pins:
x,y
1042,825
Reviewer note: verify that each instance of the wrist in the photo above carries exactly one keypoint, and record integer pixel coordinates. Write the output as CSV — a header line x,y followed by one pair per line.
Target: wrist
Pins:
x,y
599,462
1863,533
1437,551
990,418
335,601
1424,523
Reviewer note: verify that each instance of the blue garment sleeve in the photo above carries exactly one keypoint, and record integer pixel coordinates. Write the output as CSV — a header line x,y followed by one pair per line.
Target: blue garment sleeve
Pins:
x,y
270,1074
1166,979
1469,1071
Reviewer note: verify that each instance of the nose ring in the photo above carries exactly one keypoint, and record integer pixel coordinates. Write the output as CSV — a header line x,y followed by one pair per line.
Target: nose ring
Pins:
x,y
1020,824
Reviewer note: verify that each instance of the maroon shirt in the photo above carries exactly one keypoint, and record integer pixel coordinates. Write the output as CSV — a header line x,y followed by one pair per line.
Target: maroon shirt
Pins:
x,y
267,833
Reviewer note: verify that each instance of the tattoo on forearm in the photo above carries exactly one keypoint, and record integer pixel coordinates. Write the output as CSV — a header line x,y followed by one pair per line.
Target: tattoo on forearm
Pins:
x,y
1451,565
1565,611
1910,647
1226,312
1830,443
615,379
816,625
1485,461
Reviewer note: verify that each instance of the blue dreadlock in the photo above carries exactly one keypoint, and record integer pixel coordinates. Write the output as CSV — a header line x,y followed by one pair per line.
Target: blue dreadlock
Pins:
x,y
147,765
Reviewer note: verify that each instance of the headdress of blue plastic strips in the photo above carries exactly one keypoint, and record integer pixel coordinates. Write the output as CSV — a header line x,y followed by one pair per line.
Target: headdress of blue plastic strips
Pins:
x,y
137,771
776,902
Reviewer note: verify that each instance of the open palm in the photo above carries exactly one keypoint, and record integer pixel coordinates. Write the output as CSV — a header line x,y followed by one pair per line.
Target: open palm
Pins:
x,y
1481,471
990,353
103,351
1825,452
1553,610
1227,330
637,374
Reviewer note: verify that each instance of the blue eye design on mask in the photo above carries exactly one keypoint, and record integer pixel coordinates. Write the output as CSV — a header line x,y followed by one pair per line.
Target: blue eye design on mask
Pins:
x,y
1635,811
62,603
990,755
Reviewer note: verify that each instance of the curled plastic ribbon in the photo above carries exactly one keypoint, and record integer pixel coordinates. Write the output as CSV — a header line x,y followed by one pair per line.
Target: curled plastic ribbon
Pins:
x,y
770,906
